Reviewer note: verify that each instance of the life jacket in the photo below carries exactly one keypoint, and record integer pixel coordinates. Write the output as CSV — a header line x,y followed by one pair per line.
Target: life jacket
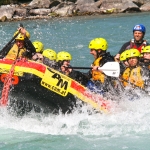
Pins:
x,y
97,75
15,52
133,45
133,76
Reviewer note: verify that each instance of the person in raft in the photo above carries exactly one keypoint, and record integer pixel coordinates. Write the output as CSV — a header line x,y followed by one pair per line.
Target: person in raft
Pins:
x,y
21,47
137,42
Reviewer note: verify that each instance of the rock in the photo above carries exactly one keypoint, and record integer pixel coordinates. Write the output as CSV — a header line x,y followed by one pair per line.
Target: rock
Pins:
x,y
4,18
65,9
20,12
39,4
54,4
118,6
87,6
140,2
145,7
7,11
54,8
41,11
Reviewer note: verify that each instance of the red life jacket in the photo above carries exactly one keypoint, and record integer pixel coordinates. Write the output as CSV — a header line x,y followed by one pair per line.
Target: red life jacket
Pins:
x,y
133,45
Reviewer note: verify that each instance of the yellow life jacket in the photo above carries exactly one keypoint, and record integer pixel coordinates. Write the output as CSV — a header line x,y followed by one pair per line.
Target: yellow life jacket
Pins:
x,y
15,52
97,75
133,76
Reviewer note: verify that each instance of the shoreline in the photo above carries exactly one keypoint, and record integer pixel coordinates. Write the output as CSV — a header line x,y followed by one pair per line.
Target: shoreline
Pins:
x,y
93,15
46,9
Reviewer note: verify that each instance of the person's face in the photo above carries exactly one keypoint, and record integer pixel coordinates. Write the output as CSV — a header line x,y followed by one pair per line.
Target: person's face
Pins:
x,y
66,62
38,57
133,61
126,63
65,70
138,35
20,43
94,53
146,56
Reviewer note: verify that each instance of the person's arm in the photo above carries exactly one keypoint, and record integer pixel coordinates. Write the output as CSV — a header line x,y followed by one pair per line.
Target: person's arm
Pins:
x,y
30,49
79,77
122,49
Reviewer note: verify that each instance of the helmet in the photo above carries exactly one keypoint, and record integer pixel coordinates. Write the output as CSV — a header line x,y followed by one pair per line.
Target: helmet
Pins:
x,y
49,53
146,49
27,34
20,37
132,53
63,55
98,44
38,46
139,27
123,56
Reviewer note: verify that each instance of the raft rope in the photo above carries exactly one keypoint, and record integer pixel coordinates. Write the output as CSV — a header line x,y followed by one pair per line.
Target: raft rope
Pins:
x,y
7,85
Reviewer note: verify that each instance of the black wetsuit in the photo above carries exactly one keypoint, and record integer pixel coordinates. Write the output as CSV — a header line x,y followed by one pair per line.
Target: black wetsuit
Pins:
x,y
74,74
79,77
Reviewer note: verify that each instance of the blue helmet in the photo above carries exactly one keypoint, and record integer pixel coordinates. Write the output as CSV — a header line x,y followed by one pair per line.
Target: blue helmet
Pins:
x,y
139,27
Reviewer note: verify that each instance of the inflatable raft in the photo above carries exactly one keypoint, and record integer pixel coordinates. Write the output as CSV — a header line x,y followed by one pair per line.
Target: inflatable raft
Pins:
x,y
44,87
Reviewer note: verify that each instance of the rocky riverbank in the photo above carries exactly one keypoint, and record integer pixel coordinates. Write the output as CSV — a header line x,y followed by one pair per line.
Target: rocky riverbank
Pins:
x,y
67,8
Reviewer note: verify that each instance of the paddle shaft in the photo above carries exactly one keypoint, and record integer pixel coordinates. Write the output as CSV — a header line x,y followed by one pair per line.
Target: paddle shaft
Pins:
x,y
20,25
99,68
79,67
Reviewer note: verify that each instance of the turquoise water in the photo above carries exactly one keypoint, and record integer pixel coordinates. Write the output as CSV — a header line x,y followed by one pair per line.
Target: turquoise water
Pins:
x,y
127,127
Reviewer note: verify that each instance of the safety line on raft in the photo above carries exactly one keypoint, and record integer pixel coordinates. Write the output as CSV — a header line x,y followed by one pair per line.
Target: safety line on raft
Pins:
x,y
7,85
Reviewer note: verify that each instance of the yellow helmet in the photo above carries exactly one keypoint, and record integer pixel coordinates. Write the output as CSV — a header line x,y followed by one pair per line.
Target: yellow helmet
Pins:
x,y
38,46
27,34
98,44
20,37
123,56
49,53
63,55
146,49
132,53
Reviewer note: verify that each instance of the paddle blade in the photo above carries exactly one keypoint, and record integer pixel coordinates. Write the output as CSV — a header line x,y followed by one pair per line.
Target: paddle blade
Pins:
x,y
111,69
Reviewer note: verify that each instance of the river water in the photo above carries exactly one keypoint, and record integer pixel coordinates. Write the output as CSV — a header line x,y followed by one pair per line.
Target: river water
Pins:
x,y
127,127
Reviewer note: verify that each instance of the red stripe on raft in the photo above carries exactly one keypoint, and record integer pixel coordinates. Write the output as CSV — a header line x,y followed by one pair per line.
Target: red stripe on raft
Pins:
x,y
25,63
85,92
105,104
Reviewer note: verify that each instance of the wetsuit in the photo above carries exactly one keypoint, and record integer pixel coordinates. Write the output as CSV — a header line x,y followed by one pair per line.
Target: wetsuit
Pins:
x,y
74,74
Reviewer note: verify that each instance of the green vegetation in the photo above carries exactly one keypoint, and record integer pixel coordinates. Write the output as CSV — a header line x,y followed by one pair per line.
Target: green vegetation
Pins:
x,y
24,1
6,2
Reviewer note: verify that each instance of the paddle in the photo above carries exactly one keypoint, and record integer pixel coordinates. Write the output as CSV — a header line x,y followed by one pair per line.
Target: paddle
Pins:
x,y
109,68
13,38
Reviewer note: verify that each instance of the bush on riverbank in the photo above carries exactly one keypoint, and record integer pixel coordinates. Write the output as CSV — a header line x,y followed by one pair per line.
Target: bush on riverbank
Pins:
x,y
6,2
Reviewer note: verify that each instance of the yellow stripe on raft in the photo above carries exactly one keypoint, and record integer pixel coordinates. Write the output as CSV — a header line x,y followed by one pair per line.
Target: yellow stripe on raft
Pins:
x,y
59,83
